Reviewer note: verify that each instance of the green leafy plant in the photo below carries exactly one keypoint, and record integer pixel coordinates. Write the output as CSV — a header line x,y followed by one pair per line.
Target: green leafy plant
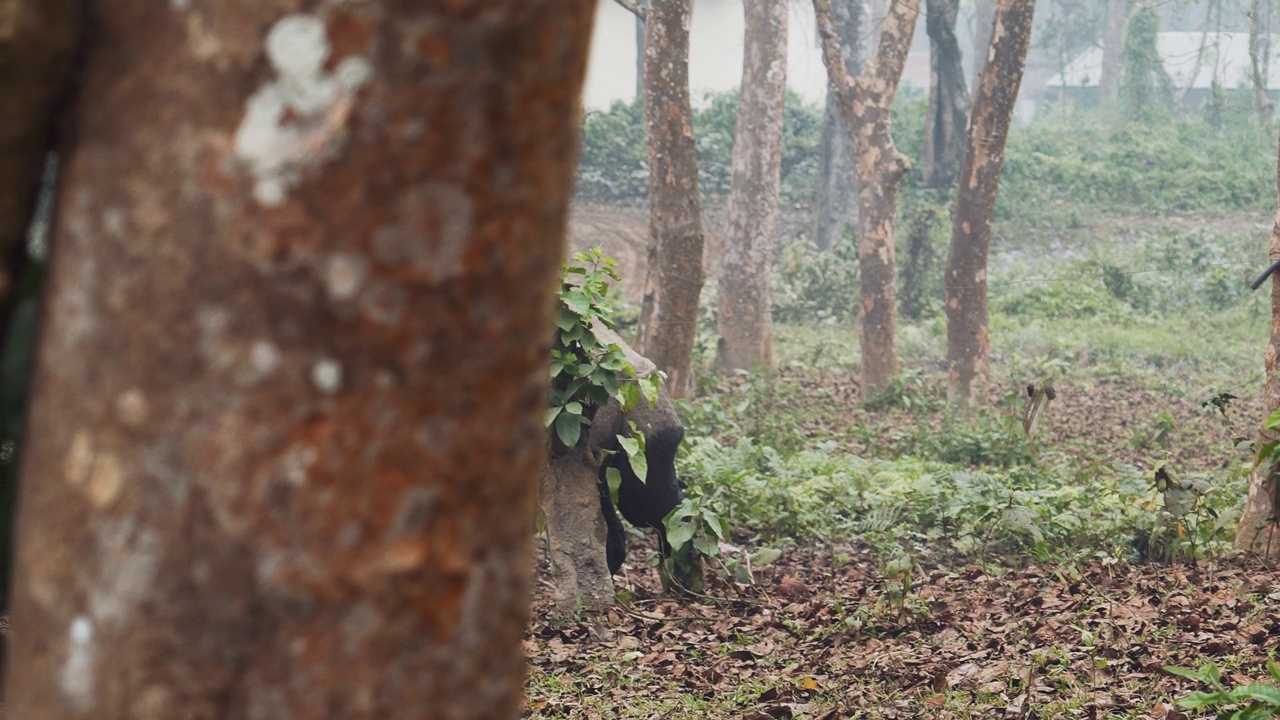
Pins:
x,y
1251,701
586,373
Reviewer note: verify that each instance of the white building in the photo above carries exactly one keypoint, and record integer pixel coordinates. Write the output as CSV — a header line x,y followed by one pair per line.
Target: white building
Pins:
x,y
1194,61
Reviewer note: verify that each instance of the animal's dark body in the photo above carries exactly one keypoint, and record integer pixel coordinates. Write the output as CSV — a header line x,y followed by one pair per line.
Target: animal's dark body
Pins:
x,y
644,503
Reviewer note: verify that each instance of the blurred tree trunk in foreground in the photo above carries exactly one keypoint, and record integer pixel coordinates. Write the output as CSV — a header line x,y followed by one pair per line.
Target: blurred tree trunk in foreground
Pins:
x,y
669,314
293,368
835,205
866,103
1259,529
744,323
1112,49
948,98
968,341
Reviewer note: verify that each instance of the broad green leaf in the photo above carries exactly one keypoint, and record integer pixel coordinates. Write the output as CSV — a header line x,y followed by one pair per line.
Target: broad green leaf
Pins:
x,y
552,413
613,479
630,445
573,407
649,386
1268,694
706,545
679,532
1273,668
565,320
630,396
577,301
1273,421
1198,699
569,429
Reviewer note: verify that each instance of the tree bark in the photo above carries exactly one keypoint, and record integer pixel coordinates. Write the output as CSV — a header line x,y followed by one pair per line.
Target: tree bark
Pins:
x,y
984,23
1259,529
575,531
669,312
1113,49
744,322
948,99
968,343
293,369
835,207
1260,59
866,104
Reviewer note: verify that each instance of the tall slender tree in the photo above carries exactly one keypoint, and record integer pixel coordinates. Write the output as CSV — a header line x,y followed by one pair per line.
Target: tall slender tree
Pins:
x,y
866,103
744,323
1260,50
835,206
984,18
293,368
968,342
948,111
1259,529
1112,48
669,313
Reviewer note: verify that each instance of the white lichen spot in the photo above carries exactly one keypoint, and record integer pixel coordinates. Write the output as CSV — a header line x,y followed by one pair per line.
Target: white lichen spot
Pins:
x,y
344,275
78,463
128,560
75,678
132,407
326,374
264,357
113,221
296,464
299,120
179,4
106,481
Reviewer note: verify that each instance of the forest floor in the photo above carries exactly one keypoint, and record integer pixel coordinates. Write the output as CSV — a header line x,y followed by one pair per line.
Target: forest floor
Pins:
x,y
821,635
825,632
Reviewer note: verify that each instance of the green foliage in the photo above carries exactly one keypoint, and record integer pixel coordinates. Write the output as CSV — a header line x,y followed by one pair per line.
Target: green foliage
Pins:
x,y
586,374
614,164
928,228
1146,90
987,440
810,286
909,390
614,160
938,510
1169,164
715,126
1251,701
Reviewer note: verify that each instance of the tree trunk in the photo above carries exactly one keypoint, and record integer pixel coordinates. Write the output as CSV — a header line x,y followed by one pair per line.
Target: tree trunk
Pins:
x,y
669,313
575,531
644,4
866,104
291,380
1259,529
984,23
1112,49
1260,59
835,207
948,99
968,344
744,323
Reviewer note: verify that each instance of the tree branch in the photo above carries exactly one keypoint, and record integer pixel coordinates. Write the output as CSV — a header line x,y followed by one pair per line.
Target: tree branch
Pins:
x,y
891,56
632,6
838,78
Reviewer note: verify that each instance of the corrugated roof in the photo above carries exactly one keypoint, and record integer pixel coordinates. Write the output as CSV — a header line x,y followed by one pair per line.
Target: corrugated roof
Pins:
x,y
1192,59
